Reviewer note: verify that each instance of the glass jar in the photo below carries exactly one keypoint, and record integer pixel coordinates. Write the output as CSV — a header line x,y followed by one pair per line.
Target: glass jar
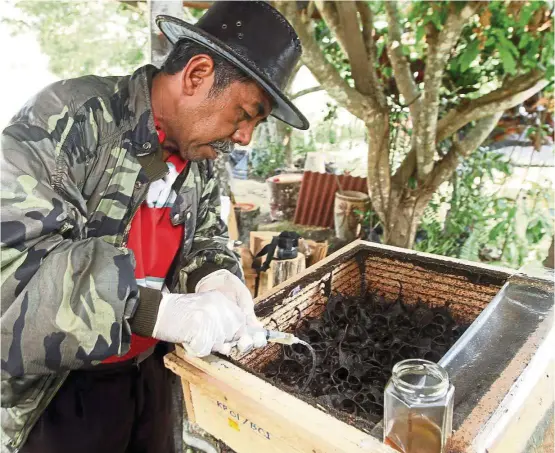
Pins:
x,y
418,407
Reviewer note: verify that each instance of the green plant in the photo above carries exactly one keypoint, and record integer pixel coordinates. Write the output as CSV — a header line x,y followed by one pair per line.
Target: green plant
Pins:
x,y
80,38
470,220
523,231
371,229
265,161
451,67
302,147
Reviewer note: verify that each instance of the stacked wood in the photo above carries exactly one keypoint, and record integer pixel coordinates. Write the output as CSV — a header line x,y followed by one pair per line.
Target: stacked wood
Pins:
x,y
313,251
310,252
282,270
279,271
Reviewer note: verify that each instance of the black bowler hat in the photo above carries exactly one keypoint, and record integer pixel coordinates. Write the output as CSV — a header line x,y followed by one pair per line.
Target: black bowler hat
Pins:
x,y
253,36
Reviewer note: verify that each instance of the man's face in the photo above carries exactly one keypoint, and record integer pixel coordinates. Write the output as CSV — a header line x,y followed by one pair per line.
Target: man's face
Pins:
x,y
205,124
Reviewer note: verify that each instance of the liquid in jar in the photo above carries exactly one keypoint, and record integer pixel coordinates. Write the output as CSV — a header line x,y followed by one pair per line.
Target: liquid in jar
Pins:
x,y
415,434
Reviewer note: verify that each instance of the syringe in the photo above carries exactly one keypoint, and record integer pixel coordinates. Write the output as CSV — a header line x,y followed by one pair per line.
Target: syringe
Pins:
x,y
275,336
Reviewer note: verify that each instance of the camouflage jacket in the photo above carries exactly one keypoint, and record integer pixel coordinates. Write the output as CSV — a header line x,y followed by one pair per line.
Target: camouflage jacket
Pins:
x,y
76,164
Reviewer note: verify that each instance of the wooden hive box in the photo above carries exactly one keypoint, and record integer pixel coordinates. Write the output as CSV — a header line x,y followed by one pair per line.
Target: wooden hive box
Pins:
x,y
253,416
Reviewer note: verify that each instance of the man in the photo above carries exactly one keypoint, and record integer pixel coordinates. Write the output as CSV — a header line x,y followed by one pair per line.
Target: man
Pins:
x,y
112,245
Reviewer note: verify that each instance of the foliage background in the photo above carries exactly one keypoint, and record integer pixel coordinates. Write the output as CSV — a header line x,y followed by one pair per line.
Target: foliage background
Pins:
x,y
472,216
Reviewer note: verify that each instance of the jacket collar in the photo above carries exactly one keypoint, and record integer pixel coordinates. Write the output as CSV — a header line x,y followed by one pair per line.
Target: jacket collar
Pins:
x,y
144,139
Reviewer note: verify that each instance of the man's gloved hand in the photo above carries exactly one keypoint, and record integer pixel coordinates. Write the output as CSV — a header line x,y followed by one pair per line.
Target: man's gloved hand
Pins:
x,y
202,322
234,289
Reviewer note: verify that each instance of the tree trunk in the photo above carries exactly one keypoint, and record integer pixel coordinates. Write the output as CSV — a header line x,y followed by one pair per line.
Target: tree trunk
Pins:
x,y
549,261
402,207
159,46
284,132
404,221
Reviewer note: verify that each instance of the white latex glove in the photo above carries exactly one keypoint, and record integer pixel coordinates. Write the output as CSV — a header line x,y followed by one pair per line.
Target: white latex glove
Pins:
x,y
234,289
203,322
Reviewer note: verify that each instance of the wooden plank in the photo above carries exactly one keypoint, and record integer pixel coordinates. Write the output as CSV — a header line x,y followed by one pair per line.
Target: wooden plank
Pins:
x,y
189,406
227,420
319,250
233,229
280,270
268,419
224,396
277,291
258,239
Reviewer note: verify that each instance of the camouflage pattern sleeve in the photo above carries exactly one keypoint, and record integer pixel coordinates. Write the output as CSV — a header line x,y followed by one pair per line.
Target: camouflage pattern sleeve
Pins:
x,y
210,250
66,298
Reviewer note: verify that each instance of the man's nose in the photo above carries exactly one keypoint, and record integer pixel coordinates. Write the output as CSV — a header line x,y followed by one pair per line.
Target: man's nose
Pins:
x,y
243,135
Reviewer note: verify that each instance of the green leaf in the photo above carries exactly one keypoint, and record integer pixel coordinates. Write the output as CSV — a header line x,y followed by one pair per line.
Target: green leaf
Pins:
x,y
504,42
507,59
525,14
379,49
512,213
497,230
535,231
420,32
469,55
526,38
435,18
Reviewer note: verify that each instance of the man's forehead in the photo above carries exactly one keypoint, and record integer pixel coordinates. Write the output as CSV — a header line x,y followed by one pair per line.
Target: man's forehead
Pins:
x,y
257,98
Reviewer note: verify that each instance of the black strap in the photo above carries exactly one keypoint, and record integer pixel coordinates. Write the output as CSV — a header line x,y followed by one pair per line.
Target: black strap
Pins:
x,y
269,250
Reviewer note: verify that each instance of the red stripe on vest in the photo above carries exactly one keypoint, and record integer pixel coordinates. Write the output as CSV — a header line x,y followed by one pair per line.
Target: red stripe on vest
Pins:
x,y
155,242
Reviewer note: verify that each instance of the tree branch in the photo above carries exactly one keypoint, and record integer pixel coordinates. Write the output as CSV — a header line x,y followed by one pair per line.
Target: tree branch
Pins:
x,y
440,46
311,7
406,169
445,167
330,80
512,93
300,93
379,171
292,77
367,19
401,66
354,45
188,16
329,13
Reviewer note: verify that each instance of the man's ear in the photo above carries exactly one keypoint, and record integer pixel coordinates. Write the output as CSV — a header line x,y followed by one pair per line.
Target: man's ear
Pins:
x,y
198,75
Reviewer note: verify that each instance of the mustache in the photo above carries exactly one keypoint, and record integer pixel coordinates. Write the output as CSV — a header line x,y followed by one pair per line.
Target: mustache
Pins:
x,y
222,146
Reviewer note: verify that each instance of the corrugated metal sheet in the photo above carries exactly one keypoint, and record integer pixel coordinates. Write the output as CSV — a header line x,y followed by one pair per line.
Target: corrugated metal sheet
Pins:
x,y
316,197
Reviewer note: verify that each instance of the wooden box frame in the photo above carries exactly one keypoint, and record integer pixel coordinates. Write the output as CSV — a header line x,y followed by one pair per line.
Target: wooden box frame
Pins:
x,y
252,416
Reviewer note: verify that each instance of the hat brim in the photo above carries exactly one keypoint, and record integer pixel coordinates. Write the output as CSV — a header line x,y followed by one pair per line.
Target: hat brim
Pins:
x,y
175,29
